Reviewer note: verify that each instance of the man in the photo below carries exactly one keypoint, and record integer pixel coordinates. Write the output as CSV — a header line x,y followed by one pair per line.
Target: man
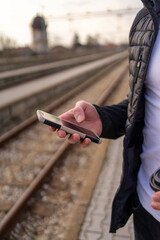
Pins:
x,y
138,118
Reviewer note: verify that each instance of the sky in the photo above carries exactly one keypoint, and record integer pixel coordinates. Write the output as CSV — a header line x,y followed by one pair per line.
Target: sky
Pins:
x,y
16,17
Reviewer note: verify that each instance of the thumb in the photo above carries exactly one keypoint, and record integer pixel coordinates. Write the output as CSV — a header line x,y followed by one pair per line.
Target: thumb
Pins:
x,y
79,114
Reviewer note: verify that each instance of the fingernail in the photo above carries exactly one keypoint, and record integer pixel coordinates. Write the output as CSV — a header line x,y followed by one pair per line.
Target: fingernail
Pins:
x,y
79,118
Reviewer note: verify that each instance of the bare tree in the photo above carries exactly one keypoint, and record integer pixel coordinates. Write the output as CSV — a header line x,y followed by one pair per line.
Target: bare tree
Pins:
x,y
76,41
7,42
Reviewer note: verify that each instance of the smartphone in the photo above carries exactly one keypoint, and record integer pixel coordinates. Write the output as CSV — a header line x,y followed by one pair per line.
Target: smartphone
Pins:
x,y
67,126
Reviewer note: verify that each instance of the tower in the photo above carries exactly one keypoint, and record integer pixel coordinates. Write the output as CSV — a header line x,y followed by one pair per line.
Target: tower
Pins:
x,y
39,34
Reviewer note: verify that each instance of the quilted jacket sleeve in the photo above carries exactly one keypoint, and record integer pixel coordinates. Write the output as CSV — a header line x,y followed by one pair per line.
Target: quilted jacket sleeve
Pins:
x,y
113,119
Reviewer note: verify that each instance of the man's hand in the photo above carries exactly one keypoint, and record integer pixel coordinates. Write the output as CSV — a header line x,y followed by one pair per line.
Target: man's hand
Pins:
x,y
156,201
86,116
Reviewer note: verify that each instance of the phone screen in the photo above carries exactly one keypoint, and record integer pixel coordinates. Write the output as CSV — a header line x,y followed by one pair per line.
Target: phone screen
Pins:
x,y
78,128
68,124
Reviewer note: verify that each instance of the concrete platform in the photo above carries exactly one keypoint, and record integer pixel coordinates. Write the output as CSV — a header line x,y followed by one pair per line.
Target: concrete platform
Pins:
x,y
97,220
23,91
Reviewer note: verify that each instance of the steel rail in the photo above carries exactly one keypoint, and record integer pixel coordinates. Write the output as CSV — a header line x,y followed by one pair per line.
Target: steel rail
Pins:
x,y
17,207
31,120
51,65
18,76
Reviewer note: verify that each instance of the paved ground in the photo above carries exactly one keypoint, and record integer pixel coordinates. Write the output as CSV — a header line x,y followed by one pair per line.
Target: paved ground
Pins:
x,y
96,224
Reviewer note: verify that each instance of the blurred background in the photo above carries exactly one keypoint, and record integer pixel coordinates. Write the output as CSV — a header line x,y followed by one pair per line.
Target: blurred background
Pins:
x,y
64,23
52,54
40,32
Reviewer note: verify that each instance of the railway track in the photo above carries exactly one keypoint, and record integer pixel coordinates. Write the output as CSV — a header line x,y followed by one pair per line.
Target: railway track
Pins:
x,y
11,63
18,76
25,164
32,95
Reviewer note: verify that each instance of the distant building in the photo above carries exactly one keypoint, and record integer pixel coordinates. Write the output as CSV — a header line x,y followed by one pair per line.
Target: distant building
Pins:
x,y
39,35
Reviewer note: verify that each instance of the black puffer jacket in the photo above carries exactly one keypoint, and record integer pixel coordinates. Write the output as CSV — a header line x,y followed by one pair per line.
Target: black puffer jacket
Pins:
x,y
127,117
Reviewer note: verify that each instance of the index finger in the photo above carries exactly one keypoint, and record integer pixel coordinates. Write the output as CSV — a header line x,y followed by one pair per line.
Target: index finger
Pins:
x,y
52,128
60,133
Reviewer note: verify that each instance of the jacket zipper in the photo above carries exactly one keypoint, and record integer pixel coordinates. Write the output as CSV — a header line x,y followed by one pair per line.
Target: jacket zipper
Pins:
x,y
138,66
114,226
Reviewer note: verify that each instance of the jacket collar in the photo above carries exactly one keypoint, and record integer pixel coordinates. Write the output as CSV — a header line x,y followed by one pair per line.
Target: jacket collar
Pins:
x,y
150,5
157,5
153,6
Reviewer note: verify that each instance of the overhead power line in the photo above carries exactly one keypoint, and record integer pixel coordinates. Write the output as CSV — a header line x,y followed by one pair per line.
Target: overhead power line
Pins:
x,y
105,13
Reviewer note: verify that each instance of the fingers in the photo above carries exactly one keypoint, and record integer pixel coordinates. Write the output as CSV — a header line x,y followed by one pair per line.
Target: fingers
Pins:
x,y
86,142
156,201
52,128
76,115
60,133
72,139
75,138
